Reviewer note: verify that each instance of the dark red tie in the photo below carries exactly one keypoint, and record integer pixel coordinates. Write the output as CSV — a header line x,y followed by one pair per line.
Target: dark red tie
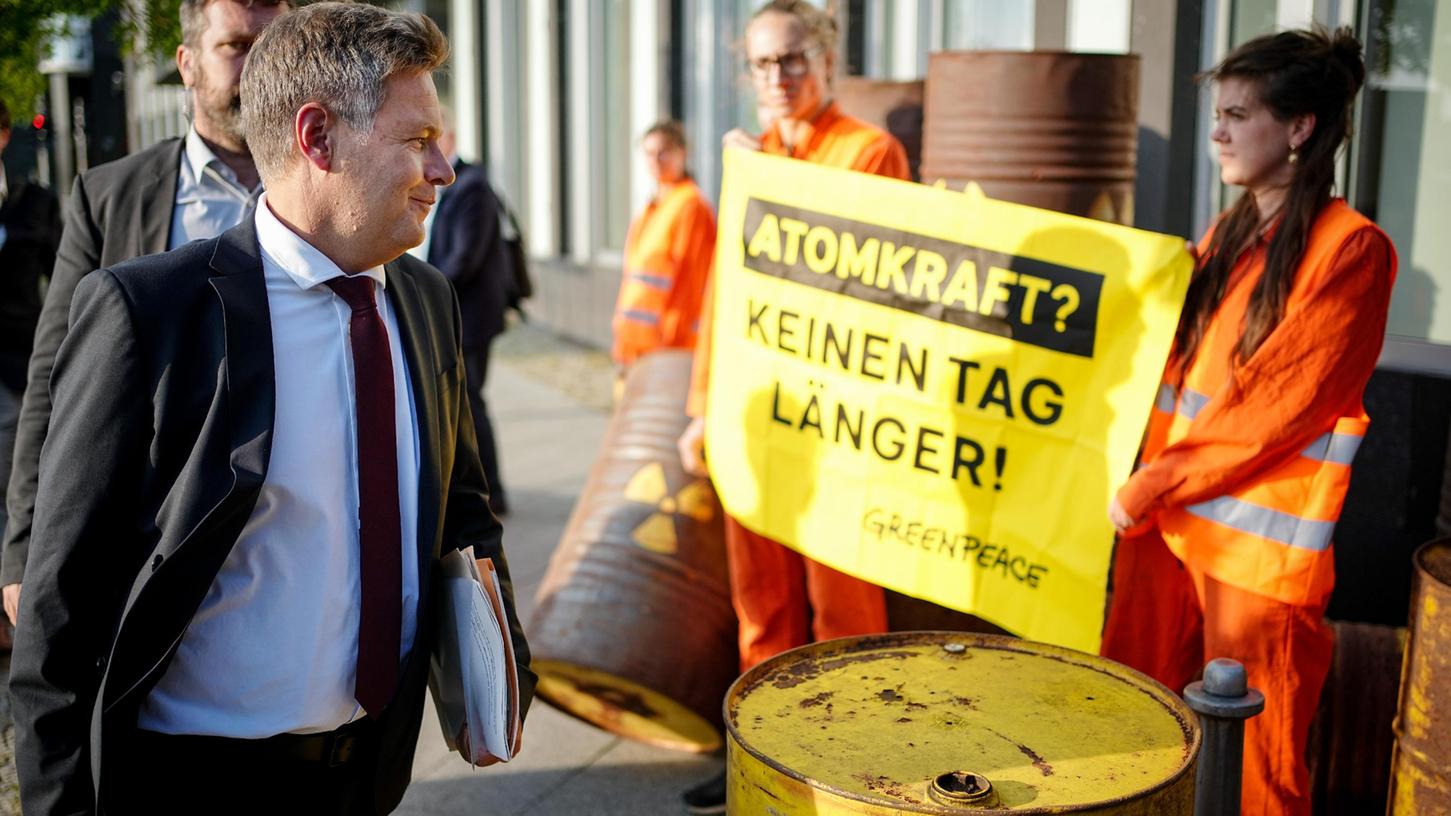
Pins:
x,y
380,626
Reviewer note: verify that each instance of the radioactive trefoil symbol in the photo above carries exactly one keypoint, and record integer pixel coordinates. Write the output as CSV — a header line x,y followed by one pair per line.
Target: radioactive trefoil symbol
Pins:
x,y
657,532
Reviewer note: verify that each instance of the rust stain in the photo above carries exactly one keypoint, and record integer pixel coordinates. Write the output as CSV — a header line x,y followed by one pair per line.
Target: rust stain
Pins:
x,y
1038,761
794,674
620,699
812,702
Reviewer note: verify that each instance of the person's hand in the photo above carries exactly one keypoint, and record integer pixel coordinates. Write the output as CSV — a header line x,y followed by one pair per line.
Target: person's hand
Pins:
x,y
742,139
11,593
691,445
1119,517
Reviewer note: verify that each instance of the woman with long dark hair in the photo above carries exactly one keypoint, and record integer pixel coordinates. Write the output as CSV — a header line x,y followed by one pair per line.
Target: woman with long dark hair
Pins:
x,y
1226,524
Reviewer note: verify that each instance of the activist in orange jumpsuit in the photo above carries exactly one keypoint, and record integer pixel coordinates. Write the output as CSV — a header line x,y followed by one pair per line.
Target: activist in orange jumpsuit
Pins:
x,y
1226,524
783,599
667,255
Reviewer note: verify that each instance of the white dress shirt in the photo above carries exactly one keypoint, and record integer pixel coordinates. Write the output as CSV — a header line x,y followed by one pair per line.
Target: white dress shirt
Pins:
x,y
209,199
273,648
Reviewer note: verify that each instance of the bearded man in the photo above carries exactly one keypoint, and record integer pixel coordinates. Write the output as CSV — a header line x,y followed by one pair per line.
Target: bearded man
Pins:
x,y
176,191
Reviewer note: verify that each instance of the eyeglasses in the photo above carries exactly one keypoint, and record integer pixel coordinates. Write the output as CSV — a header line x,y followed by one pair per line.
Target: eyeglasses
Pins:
x,y
792,63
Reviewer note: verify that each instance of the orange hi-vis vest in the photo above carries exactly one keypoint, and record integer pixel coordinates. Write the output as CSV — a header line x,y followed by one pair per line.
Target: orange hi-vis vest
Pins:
x,y
1245,466
668,254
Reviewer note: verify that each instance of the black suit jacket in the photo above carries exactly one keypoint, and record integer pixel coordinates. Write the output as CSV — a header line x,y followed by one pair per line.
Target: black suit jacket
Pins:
x,y
117,211
158,447
32,229
466,245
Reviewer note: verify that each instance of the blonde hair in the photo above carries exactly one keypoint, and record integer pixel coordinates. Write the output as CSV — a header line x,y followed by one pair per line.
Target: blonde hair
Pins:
x,y
339,55
820,25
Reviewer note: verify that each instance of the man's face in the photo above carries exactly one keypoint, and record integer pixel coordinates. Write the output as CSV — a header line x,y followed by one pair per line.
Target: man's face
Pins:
x,y
788,71
383,181
212,67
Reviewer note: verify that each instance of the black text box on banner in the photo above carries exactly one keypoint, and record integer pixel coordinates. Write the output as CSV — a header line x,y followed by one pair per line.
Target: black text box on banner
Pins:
x,y
1024,299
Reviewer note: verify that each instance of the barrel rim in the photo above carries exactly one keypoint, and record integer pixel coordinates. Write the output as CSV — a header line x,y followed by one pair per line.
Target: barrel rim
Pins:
x,y
1187,719
1439,569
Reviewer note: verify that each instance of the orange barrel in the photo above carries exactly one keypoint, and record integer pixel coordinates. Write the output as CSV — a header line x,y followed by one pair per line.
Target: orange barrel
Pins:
x,y
634,630
954,724
895,107
1049,129
1421,762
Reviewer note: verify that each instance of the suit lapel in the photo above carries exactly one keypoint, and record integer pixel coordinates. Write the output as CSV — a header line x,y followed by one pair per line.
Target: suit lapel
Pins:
x,y
423,377
142,648
157,200
251,375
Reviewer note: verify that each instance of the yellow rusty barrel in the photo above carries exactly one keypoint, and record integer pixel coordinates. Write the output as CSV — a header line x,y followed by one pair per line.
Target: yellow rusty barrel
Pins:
x,y
633,629
1421,763
952,723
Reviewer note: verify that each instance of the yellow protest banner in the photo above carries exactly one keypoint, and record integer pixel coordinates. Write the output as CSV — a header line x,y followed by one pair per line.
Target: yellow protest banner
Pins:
x,y
933,391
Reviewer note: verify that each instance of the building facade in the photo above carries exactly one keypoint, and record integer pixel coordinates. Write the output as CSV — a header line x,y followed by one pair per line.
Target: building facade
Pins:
x,y
552,96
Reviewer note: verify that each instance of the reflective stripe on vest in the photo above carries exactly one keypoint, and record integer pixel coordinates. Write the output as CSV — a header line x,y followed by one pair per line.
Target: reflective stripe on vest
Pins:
x,y
1167,398
1334,447
641,316
659,282
1274,525
1191,402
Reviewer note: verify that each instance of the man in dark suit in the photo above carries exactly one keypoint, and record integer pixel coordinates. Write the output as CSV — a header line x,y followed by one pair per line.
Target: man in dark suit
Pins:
x,y
466,245
29,230
259,451
158,199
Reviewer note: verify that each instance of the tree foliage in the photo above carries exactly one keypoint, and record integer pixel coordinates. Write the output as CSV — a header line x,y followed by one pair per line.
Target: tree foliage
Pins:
x,y
26,25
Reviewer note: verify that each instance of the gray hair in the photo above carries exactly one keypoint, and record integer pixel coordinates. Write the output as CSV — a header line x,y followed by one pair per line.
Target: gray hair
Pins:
x,y
339,55
194,20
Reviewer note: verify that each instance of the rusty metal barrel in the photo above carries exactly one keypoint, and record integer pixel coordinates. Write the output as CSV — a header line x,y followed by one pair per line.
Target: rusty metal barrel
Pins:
x,y
1421,762
1049,129
895,107
633,629
955,724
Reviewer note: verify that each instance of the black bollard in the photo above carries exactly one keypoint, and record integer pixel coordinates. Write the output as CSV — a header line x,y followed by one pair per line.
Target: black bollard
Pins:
x,y
1223,701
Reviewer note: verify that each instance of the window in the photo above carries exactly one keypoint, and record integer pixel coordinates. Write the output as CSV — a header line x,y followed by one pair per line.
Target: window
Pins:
x,y
1406,180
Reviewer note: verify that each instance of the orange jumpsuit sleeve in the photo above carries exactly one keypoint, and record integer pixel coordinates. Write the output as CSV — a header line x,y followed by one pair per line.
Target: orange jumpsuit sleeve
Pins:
x,y
1310,371
692,248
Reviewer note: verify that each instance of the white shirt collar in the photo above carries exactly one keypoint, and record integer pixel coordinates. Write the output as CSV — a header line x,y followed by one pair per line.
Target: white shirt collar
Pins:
x,y
199,157
304,263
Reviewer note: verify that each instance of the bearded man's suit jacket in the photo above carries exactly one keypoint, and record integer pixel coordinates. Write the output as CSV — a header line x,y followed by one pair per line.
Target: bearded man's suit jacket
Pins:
x,y
164,397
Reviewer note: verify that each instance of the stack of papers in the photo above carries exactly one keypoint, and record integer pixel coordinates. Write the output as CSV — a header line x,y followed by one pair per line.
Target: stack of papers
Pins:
x,y
475,680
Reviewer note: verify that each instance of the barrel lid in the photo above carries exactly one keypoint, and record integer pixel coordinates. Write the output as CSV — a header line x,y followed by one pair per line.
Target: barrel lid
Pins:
x,y
918,721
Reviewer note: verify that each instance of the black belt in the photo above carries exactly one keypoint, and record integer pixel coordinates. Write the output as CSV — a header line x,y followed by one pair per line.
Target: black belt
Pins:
x,y
331,749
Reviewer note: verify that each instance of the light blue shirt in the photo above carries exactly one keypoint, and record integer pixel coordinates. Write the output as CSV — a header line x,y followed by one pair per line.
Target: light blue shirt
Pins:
x,y
209,199
273,648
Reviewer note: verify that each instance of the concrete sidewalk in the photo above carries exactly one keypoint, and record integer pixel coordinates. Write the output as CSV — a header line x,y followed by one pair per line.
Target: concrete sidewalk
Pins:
x,y
548,400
